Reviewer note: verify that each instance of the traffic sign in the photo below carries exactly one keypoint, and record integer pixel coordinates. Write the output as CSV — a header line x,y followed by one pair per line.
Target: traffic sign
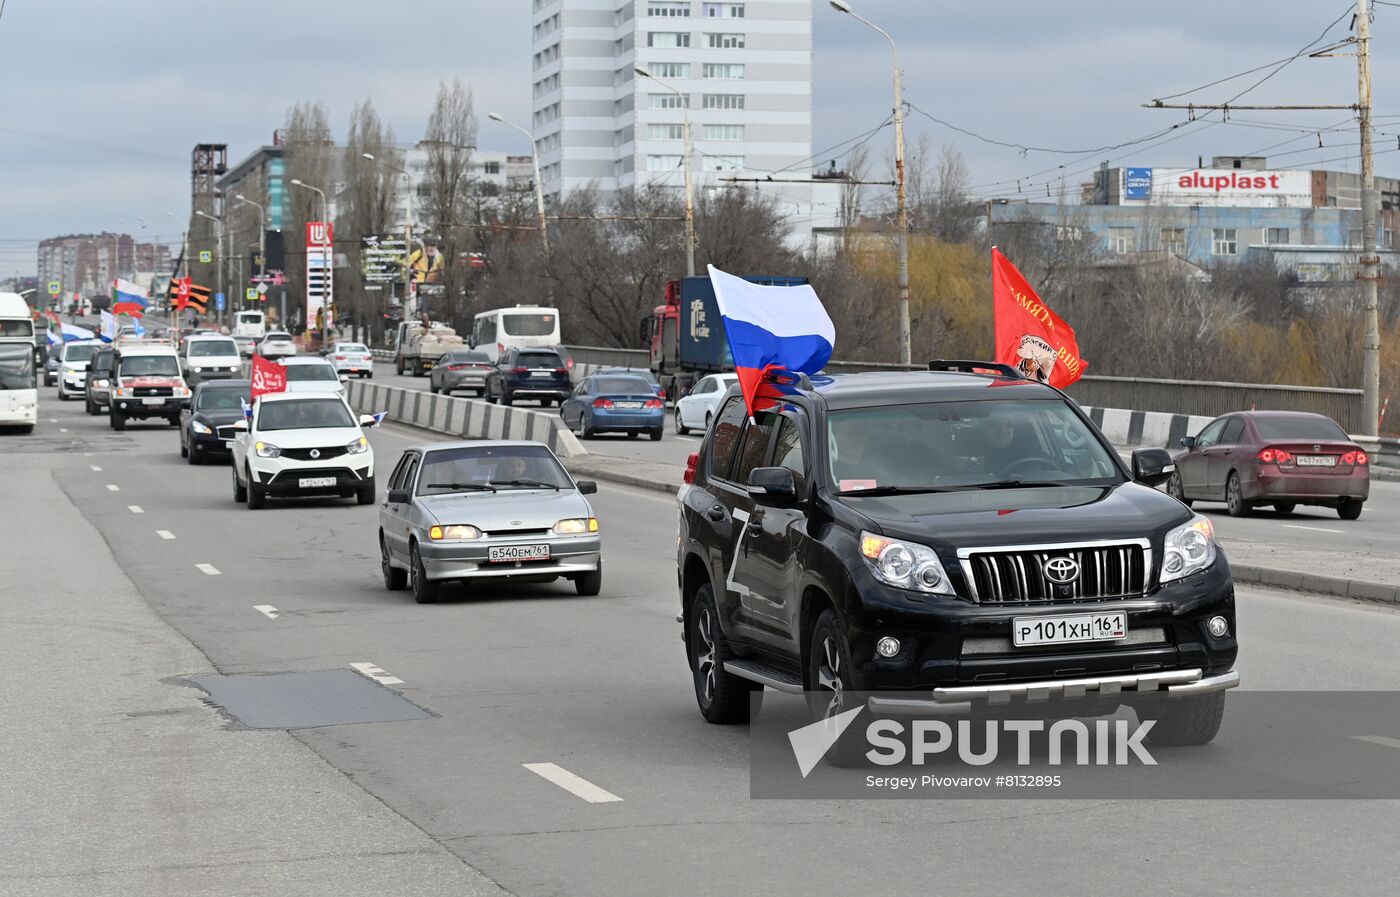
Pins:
x,y
218,301
55,288
251,294
205,256
262,289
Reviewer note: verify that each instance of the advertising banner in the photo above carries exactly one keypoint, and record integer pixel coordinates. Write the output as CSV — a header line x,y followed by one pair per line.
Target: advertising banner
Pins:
x,y
320,266
1218,187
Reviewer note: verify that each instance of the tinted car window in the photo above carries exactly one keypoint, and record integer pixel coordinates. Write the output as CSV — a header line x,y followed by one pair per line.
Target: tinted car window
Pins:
x,y
300,373
725,440
788,452
1211,434
755,446
207,347
630,386
539,360
1298,428
473,469
528,324
221,399
150,365
1233,430
304,414
396,479
468,358
75,353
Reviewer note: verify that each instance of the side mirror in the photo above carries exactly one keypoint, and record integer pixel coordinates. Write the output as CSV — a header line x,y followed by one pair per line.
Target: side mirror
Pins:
x,y
1188,441
772,485
344,378
587,487
367,420
398,496
1152,467
241,424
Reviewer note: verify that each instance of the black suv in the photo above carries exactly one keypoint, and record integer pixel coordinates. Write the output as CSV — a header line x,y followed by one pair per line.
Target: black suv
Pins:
x,y
952,537
528,374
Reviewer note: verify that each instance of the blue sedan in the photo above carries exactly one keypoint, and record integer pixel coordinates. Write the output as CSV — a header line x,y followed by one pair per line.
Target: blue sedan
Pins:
x,y
611,403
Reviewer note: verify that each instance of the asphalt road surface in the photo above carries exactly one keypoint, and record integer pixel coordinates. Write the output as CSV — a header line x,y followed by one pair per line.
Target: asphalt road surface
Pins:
x,y
599,688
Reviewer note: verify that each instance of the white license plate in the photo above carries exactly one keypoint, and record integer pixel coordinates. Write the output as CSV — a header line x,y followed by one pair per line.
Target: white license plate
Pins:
x,y
499,553
155,401
1073,628
315,482
1316,460
631,406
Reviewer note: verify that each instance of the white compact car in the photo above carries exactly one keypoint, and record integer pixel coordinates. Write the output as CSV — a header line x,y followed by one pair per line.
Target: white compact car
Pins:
x,y
210,356
72,367
307,373
696,408
300,445
351,359
277,344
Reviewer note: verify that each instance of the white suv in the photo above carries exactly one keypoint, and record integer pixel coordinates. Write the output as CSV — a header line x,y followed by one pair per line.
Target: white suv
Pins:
x,y
210,357
72,367
300,444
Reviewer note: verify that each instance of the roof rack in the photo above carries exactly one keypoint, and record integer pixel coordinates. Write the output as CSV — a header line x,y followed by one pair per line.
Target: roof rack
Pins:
x,y
799,379
975,367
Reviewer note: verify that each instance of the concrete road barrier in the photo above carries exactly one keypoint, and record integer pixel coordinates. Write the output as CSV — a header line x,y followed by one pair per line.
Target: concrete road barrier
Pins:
x,y
463,418
1137,429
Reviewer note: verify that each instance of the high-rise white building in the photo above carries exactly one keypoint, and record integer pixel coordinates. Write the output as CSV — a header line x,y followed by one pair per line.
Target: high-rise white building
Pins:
x,y
741,70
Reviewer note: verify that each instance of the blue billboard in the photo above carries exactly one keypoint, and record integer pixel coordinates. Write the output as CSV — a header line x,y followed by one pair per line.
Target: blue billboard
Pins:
x,y
1137,183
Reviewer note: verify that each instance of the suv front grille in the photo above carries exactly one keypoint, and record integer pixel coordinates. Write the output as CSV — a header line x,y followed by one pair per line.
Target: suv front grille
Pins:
x,y
142,392
322,454
1017,575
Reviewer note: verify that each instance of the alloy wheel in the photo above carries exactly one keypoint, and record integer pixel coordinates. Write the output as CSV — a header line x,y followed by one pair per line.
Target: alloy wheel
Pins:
x,y
829,676
705,655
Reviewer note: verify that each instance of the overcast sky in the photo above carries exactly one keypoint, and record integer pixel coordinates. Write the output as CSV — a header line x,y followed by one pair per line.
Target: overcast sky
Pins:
x,y
101,101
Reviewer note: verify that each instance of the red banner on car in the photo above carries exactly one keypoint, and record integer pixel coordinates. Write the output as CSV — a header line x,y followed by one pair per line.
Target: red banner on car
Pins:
x,y
267,377
1029,336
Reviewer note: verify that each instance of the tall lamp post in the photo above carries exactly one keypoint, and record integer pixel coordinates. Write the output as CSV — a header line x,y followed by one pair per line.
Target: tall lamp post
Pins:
x,y
325,217
219,248
901,213
262,240
686,161
539,184
407,224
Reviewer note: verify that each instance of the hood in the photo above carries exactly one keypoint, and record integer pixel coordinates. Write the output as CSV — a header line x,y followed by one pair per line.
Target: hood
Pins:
x,y
215,361
151,380
317,438
978,518
221,417
533,508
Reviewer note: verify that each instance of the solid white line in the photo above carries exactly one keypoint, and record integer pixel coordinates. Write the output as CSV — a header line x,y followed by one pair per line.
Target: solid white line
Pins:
x,y
112,487
96,469
135,509
165,534
1379,739
373,672
62,430
578,787
208,569
266,610
1312,529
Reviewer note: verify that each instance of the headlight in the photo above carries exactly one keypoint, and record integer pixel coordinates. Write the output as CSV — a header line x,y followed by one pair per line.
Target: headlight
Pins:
x,y
123,391
103,384
197,369
267,450
1190,548
456,532
358,446
906,565
200,428
576,526
182,392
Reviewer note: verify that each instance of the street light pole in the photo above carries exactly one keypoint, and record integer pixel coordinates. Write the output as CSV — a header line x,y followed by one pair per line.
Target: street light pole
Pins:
x,y
539,184
262,239
407,227
901,213
219,248
325,218
1370,255
686,162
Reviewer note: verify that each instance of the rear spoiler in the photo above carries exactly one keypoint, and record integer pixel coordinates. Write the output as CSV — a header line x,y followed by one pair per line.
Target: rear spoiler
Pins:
x,y
976,367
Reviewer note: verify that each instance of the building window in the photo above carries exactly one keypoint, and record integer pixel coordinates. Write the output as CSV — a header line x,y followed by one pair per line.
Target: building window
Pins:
x,y
1354,236
724,41
492,168
663,163
678,10
724,132
1122,240
722,10
669,101
1276,236
668,39
670,69
1223,241
665,132
724,101
729,70
723,163
1174,240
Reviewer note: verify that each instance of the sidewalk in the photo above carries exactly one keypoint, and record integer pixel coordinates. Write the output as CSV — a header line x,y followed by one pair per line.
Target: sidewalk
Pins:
x,y
122,781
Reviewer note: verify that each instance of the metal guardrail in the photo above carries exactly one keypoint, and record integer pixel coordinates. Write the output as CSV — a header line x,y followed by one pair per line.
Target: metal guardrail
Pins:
x,y
1189,397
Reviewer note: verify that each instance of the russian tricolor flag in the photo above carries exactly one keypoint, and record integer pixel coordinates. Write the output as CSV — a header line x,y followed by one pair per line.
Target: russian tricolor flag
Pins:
x,y
772,328
128,299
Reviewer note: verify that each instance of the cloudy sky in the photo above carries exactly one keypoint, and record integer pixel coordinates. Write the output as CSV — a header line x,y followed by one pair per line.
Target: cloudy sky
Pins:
x,y
101,101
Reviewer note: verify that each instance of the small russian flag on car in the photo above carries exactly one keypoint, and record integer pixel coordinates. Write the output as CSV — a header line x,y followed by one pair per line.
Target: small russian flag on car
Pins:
x,y
247,409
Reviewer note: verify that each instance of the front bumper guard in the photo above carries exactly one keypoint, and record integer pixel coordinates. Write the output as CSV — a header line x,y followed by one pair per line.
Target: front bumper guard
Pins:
x,y
959,699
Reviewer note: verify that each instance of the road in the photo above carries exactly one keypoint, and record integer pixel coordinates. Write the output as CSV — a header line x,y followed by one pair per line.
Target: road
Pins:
x,y
599,687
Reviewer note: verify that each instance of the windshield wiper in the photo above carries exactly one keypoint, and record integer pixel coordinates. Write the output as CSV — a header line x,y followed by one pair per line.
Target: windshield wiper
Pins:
x,y
471,487
1013,484
894,490
534,484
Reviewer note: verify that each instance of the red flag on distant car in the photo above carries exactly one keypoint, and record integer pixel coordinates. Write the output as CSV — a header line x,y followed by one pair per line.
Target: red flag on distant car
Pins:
x,y
1029,336
267,377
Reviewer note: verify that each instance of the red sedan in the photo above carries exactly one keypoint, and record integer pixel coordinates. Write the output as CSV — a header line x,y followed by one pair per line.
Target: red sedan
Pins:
x,y
1279,458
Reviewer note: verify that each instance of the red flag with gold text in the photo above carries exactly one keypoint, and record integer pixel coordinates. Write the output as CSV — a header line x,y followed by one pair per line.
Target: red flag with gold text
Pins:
x,y
1029,336
267,377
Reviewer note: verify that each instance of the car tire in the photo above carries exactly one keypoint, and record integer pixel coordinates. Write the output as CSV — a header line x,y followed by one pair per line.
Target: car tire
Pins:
x,y
708,417
62,396
830,685
656,435
184,451
1284,507
488,396
582,430
1350,508
240,491
118,421
431,388
395,580
174,420
633,434
1234,497
1176,490
364,493
506,398
425,591
681,429
590,584
723,698
1187,720
398,367
545,403
257,499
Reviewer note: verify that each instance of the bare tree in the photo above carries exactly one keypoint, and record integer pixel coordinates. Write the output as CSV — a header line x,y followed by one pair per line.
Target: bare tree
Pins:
x,y
366,207
450,140
953,214
310,157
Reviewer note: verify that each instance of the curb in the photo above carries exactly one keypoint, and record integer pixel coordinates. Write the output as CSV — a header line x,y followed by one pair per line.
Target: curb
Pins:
x,y
1336,586
574,466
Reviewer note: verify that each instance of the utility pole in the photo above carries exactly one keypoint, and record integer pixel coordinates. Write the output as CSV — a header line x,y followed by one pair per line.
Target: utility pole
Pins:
x,y
687,161
1370,260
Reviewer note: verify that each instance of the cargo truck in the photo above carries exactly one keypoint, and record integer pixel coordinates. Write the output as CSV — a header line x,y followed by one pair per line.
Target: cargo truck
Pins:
x,y
418,348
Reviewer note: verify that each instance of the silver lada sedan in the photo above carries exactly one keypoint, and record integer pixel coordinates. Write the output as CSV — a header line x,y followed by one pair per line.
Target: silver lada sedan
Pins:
x,y
469,511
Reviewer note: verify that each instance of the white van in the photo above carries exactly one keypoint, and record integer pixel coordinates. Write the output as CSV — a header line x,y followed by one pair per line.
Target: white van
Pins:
x,y
209,356
19,392
521,326
250,323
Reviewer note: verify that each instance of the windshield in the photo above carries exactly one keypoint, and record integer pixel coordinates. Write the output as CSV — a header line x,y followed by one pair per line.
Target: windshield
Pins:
x,y
467,358
487,468
278,338
646,375
531,324
250,317
77,354
350,347
300,373
207,347
150,366
1298,428
954,445
304,414
625,385
16,366
221,398
13,327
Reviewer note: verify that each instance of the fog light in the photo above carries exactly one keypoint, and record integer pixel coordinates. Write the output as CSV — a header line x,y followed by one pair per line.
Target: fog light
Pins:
x,y
887,646
1218,627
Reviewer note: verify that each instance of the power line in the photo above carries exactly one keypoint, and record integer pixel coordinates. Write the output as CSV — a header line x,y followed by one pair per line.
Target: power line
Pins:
x,y
1046,149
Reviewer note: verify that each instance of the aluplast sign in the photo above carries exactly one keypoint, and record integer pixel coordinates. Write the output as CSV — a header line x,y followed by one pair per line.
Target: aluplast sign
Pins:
x,y
1217,187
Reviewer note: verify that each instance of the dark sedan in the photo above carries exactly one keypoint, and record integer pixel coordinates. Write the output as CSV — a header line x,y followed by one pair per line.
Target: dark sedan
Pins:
x,y
1279,458
206,423
460,369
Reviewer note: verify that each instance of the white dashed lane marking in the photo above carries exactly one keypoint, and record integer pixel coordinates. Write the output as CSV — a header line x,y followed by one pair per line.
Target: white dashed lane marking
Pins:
x,y
1312,529
575,785
112,487
135,509
373,672
1379,739
165,534
208,569
266,610
62,430
96,469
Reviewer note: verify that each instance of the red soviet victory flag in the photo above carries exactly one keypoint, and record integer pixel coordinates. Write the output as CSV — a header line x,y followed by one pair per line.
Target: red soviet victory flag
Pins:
x,y
1029,336
267,377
